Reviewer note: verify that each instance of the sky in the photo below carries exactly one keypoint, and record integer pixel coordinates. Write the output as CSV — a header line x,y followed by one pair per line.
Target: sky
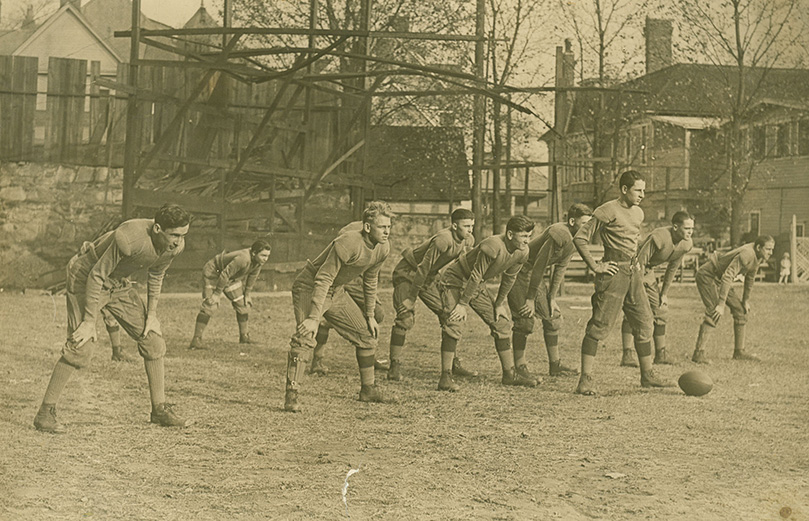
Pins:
x,y
171,12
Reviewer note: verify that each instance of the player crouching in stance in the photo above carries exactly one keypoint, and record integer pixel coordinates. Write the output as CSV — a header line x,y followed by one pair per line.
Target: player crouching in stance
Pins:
x,y
664,245
530,297
463,284
618,282
414,277
318,292
715,284
233,274
97,279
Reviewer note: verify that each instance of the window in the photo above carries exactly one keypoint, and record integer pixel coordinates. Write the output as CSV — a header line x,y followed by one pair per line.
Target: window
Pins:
x,y
782,141
755,219
803,137
628,147
799,228
759,141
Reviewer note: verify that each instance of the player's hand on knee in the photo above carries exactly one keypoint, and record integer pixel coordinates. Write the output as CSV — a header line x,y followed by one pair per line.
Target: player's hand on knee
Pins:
x,y
85,332
152,324
248,301
610,268
746,306
213,300
458,314
373,327
717,312
500,310
308,327
556,311
664,301
527,309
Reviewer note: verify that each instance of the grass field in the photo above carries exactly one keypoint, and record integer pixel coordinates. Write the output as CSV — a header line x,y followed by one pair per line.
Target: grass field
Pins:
x,y
486,452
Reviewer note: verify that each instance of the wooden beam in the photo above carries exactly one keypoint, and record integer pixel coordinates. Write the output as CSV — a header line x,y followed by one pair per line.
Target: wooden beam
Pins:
x,y
300,31
192,203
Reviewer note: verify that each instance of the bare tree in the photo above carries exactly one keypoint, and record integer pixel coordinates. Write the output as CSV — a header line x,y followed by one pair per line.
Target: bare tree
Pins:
x,y
743,40
604,30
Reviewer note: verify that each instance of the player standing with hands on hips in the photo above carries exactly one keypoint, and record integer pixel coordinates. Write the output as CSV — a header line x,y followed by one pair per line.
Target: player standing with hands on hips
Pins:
x,y
618,282
97,279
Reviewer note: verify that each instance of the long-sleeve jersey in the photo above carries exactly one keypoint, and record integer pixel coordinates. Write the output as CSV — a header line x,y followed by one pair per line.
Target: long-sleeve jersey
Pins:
x,y
484,262
118,254
235,265
427,259
348,256
553,247
726,266
659,248
617,226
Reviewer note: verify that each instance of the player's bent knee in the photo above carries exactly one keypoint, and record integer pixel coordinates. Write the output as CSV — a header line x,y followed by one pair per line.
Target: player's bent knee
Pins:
x,y
709,320
152,347
524,325
405,320
78,358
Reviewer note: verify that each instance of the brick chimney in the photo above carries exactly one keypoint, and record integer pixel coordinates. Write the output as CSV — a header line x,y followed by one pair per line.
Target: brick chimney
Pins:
x,y
658,44
565,63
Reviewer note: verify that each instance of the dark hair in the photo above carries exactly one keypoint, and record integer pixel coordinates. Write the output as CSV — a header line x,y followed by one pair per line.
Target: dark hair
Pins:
x,y
577,210
260,245
462,213
376,208
761,240
629,177
171,216
520,223
680,217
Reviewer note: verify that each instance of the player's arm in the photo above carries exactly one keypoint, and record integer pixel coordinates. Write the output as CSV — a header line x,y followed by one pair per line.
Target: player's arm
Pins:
x,y
582,243
250,281
154,285
647,248
734,268
749,280
470,288
370,286
105,265
230,272
671,270
538,271
425,267
559,269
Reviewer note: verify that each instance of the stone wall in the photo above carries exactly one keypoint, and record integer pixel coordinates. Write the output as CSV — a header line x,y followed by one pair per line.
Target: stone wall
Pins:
x,y
46,212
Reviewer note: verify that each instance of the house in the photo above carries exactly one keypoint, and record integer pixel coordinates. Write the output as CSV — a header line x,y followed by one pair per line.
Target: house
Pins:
x,y
671,125
419,170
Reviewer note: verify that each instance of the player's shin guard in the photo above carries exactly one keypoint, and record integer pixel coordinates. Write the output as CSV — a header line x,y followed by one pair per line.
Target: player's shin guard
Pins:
x,y
552,345
62,372
199,329
699,356
589,348
627,340
365,361
397,342
156,374
739,352
448,347
296,368
241,320
660,344
505,353
518,341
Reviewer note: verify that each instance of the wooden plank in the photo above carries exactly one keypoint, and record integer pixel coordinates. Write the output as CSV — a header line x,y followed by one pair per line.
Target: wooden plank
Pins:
x,y
6,101
30,66
192,203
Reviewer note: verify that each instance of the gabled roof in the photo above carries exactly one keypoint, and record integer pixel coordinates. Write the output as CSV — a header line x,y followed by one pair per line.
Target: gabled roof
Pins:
x,y
200,19
18,41
108,16
418,163
690,90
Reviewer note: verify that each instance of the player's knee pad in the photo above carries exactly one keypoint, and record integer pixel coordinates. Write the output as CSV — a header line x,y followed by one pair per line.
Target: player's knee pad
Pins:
x,y
644,333
551,326
77,356
452,329
524,325
240,308
502,328
740,319
709,320
152,346
405,320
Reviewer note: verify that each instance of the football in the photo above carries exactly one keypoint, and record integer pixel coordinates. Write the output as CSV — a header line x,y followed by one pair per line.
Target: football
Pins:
x,y
695,383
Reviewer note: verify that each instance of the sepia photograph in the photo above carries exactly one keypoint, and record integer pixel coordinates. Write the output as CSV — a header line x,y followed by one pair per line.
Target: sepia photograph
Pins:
x,y
404,260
